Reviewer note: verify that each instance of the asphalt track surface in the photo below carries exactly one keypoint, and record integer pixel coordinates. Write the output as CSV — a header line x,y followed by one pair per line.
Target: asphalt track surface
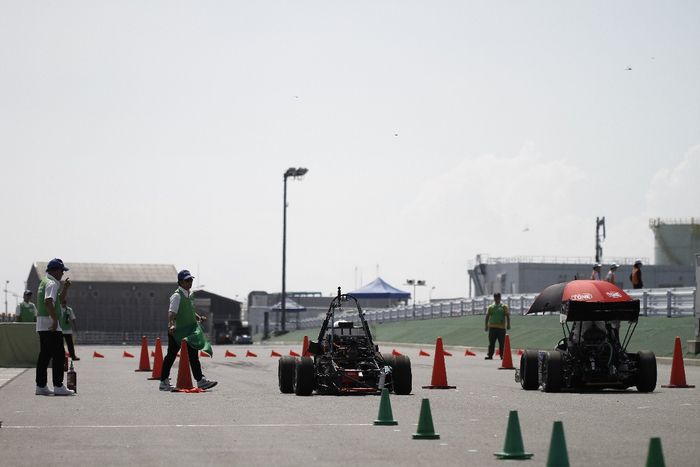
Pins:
x,y
120,418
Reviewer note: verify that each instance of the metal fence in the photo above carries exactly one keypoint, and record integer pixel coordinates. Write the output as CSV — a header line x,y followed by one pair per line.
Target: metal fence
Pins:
x,y
653,302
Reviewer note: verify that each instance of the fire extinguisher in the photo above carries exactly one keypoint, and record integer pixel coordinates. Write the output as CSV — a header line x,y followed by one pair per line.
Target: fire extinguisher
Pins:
x,y
72,379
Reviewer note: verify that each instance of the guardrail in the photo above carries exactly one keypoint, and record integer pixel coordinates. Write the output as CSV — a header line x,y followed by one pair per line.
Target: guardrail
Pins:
x,y
653,302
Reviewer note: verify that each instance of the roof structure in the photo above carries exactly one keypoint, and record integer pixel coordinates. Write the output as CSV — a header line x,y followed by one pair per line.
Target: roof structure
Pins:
x,y
289,305
111,272
378,288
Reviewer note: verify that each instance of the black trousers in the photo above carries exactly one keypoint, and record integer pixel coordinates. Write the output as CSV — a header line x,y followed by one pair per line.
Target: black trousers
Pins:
x,y
69,342
173,349
494,335
50,347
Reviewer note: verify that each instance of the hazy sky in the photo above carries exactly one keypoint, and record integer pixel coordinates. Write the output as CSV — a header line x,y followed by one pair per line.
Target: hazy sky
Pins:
x,y
158,132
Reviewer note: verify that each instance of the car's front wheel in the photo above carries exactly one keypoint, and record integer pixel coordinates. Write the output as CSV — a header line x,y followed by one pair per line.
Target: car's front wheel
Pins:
x,y
551,371
646,371
285,374
528,370
305,377
401,375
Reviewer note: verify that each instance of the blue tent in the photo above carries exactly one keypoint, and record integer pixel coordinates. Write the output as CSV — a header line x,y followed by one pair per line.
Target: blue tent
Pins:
x,y
380,289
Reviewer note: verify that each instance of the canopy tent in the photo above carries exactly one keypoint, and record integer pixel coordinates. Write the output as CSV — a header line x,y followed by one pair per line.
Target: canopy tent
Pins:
x,y
380,289
289,305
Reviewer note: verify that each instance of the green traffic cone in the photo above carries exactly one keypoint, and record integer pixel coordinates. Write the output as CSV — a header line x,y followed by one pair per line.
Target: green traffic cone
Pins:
x,y
655,458
425,423
385,416
513,447
558,457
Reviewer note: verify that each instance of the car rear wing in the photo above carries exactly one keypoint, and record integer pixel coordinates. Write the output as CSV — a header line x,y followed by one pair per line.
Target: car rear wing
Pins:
x,y
599,311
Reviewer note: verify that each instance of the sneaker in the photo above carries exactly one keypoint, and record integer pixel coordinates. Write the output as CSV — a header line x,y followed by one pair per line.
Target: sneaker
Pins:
x,y
165,385
45,391
206,384
488,358
75,359
62,391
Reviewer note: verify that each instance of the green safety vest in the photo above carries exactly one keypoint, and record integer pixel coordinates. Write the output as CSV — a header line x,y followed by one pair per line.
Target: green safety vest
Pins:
x,y
497,315
26,313
41,309
65,319
186,321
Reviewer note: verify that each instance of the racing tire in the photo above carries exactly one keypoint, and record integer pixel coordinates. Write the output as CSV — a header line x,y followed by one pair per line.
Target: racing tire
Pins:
x,y
389,359
551,371
401,375
304,377
646,371
529,371
286,369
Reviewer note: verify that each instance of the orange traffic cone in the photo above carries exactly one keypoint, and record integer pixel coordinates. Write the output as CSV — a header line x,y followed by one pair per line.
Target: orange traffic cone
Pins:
x,y
229,354
204,354
520,352
97,355
145,362
248,353
439,379
157,360
498,352
293,354
423,353
446,353
395,353
305,347
153,352
469,353
275,354
67,355
677,368
184,377
507,362
127,355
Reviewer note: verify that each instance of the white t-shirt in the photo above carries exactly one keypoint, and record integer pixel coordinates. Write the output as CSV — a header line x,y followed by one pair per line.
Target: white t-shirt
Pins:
x,y
71,316
51,291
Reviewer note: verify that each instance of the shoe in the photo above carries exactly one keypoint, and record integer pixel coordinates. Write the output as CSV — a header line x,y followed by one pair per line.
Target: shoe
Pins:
x,y
206,384
488,358
165,385
62,391
45,391
75,359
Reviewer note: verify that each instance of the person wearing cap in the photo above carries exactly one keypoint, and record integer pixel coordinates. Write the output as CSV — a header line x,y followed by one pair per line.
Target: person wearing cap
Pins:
x,y
595,273
48,327
610,276
496,323
182,318
26,310
67,322
636,275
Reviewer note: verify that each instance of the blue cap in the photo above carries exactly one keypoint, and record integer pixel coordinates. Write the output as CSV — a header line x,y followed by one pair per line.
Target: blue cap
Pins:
x,y
56,264
184,275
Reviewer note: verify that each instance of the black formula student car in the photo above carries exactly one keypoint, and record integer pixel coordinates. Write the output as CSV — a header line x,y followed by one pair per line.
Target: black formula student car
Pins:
x,y
591,355
344,359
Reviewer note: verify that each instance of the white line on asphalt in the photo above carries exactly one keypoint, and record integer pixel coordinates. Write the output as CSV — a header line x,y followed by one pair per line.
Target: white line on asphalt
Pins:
x,y
262,425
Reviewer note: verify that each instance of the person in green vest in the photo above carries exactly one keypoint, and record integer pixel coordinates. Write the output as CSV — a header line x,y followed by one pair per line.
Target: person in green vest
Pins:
x,y
26,310
497,321
183,323
49,329
68,326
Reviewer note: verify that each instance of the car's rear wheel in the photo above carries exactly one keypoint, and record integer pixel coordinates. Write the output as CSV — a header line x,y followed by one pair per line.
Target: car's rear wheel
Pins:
x,y
646,371
304,379
528,370
401,375
285,374
551,371
388,359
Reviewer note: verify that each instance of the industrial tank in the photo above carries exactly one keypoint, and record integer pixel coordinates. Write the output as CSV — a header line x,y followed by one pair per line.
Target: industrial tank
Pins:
x,y
676,241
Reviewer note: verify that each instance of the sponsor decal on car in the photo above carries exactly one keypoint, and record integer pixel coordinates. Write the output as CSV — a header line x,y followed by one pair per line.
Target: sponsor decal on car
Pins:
x,y
581,297
613,294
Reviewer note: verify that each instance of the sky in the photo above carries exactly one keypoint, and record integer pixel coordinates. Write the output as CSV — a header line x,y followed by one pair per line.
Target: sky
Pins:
x,y
159,131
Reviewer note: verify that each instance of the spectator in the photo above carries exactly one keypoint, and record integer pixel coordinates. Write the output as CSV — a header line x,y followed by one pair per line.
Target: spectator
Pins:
x,y
595,273
636,275
610,277
68,326
26,310
496,323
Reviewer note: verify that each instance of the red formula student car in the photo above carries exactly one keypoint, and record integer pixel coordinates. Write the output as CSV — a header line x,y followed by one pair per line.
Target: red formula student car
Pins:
x,y
344,359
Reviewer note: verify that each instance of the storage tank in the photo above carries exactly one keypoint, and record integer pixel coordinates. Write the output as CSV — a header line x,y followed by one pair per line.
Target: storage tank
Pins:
x,y
676,242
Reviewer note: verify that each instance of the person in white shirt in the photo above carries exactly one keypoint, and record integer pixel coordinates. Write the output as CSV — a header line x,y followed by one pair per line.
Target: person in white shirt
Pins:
x,y
49,330
595,273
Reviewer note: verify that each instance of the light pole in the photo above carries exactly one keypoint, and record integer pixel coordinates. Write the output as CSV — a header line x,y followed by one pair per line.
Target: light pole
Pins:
x,y
6,283
295,173
415,283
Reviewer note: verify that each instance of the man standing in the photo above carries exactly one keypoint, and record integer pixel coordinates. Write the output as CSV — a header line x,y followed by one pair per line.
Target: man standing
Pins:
x,y
497,321
182,323
26,310
67,322
610,277
49,330
595,273
636,276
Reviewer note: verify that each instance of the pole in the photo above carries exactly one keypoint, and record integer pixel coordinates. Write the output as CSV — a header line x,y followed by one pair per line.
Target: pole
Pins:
x,y
6,283
284,256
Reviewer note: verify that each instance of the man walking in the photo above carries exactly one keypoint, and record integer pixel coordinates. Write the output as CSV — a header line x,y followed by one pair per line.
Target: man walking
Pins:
x,y
26,310
636,276
182,323
49,330
67,326
496,323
